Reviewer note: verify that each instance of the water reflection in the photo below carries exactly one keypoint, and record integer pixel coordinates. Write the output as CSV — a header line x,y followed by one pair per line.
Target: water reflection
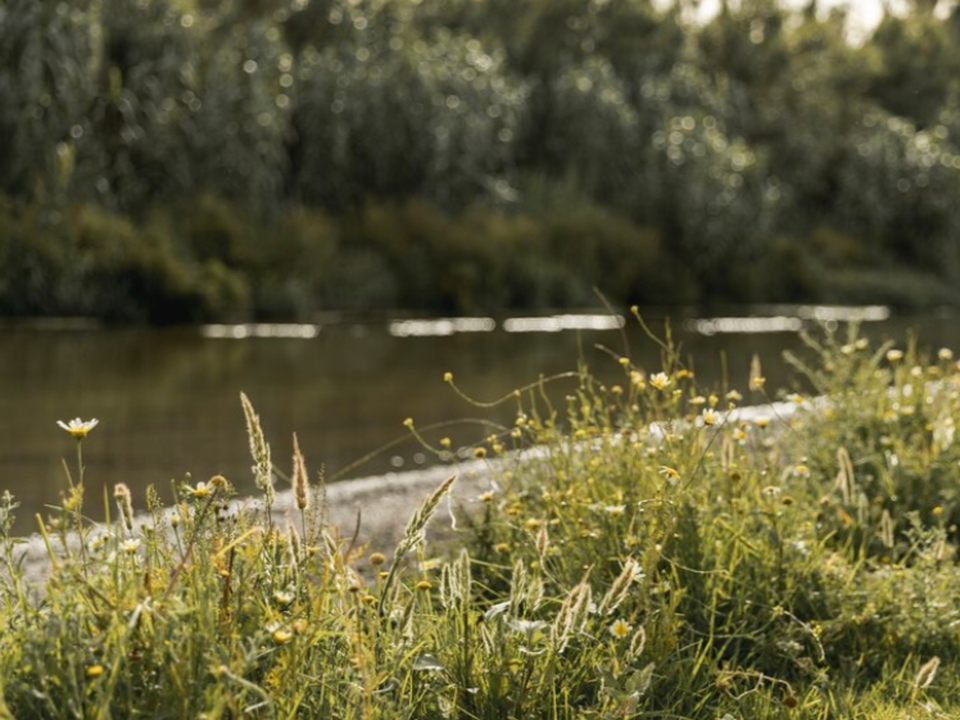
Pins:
x,y
302,331
441,327
796,320
168,399
743,325
558,323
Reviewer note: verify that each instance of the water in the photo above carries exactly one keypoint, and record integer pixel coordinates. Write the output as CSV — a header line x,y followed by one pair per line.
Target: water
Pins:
x,y
168,400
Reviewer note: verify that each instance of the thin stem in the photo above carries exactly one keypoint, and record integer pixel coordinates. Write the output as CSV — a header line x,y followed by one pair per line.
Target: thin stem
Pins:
x,y
78,508
80,459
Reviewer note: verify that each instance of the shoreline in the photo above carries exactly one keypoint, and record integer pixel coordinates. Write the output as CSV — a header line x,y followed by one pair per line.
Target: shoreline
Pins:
x,y
386,502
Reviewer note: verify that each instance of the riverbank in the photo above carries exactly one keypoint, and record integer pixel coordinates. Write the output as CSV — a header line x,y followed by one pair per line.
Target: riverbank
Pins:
x,y
373,511
643,549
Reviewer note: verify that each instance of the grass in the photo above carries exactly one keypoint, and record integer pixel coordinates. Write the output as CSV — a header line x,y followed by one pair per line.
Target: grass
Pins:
x,y
641,552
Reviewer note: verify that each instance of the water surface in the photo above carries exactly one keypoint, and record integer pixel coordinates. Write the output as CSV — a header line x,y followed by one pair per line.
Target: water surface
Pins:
x,y
168,403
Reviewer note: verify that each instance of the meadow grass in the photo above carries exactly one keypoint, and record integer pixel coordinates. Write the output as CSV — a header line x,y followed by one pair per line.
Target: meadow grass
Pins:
x,y
642,552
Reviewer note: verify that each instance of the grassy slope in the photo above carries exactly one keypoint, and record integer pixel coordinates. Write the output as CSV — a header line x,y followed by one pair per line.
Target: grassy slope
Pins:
x,y
779,568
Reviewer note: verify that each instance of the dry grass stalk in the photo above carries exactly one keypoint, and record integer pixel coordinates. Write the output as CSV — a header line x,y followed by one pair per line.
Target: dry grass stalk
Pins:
x,y
259,450
301,483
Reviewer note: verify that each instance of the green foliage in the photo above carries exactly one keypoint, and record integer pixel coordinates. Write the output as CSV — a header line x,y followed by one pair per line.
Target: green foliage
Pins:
x,y
213,260
210,259
405,118
488,260
640,549
765,571
94,263
133,104
918,65
733,140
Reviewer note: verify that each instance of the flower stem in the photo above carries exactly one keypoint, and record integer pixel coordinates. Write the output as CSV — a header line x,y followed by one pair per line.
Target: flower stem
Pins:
x,y
80,459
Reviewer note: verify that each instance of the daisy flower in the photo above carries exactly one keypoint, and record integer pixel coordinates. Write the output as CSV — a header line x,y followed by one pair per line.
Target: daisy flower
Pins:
x,y
669,473
659,381
620,628
77,427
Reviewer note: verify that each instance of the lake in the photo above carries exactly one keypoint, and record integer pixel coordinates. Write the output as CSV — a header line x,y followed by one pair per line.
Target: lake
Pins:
x,y
168,399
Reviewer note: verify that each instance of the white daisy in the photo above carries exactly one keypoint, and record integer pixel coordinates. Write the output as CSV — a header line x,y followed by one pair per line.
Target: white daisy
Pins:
x,y
77,427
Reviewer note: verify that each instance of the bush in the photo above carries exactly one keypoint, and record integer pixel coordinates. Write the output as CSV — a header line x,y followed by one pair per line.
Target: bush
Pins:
x,y
35,271
212,260
94,263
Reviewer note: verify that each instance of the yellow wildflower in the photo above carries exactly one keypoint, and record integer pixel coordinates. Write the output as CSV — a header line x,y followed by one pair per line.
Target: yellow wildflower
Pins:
x,y
669,473
201,490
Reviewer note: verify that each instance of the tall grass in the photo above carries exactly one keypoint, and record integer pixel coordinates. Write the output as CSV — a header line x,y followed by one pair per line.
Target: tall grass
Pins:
x,y
641,551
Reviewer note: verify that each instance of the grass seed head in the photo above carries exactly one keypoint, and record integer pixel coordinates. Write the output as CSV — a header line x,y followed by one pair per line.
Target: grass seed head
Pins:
x,y
618,591
121,493
259,450
301,483
927,674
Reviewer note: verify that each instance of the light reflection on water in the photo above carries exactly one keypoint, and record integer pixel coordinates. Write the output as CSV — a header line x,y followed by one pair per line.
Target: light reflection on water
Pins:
x,y
168,400
795,320
559,323
301,331
441,327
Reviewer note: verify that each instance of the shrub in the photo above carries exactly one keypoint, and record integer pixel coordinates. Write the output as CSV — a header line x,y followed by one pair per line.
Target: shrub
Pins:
x,y
94,263
34,264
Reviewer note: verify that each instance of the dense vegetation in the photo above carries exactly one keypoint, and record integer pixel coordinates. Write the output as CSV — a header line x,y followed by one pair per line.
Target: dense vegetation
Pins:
x,y
175,160
641,552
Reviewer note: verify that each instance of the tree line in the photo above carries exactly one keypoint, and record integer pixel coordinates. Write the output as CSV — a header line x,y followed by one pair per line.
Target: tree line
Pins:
x,y
276,157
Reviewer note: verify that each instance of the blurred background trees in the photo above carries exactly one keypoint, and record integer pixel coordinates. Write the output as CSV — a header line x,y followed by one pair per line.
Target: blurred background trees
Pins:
x,y
188,159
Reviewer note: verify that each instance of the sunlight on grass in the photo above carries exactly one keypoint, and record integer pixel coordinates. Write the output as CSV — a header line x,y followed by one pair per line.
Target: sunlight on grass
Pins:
x,y
640,550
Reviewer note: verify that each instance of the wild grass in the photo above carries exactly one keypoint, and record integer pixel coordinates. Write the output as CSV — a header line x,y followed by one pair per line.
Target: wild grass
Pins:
x,y
643,551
